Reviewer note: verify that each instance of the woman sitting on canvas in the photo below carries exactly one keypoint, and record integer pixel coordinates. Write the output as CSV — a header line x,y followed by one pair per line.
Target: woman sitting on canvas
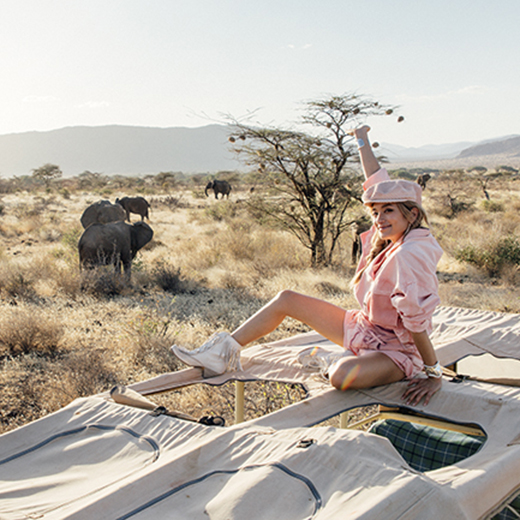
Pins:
x,y
395,285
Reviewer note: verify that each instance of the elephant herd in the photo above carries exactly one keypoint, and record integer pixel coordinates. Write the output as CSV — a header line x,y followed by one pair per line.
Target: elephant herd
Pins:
x,y
108,239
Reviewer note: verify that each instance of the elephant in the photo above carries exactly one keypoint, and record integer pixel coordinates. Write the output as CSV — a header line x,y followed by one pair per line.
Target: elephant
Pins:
x,y
218,187
102,212
138,205
422,179
114,243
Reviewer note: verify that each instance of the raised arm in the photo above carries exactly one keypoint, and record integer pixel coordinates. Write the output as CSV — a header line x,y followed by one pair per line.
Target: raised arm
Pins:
x,y
369,162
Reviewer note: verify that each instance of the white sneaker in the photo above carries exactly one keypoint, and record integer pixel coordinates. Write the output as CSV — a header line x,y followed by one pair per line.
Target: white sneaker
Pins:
x,y
221,353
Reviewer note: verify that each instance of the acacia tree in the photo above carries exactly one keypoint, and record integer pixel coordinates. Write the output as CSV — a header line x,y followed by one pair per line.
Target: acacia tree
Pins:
x,y
47,173
309,175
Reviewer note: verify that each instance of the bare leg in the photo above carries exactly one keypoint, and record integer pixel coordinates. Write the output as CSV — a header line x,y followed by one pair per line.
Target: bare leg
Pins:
x,y
324,317
370,369
368,159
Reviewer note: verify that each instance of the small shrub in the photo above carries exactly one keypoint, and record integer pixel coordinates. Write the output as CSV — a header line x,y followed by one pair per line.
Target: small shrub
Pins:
x,y
137,264
329,289
170,202
169,279
103,282
493,257
25,331
87,372
492,206
223,210
70,239
198,194
15,283
23,210
149,341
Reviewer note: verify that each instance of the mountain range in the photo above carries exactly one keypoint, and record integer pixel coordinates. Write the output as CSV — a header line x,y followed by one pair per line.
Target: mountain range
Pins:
x,y
131,150
118,150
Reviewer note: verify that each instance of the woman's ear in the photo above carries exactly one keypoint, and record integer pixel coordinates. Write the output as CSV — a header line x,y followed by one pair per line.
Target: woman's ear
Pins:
x,y
415,215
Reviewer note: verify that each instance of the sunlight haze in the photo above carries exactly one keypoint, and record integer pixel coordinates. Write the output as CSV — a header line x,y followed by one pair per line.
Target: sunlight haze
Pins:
x,y
452,66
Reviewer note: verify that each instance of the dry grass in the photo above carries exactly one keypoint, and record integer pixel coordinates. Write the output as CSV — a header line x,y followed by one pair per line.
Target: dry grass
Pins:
x,y
66,334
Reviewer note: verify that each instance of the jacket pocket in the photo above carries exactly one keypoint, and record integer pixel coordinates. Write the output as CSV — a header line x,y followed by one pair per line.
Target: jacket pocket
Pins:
x,y
381,312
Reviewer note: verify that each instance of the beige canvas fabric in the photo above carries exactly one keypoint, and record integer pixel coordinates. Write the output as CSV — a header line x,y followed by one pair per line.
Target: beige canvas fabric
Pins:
x,y
99,459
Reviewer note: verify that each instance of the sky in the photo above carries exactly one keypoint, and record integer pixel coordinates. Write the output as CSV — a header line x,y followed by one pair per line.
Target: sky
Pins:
x,y
451,66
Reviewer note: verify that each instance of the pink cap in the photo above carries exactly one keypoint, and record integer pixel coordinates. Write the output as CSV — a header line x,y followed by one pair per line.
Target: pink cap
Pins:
x,y
397,190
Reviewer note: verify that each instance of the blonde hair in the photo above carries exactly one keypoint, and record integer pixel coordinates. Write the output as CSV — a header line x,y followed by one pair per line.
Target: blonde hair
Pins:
x,y
378,244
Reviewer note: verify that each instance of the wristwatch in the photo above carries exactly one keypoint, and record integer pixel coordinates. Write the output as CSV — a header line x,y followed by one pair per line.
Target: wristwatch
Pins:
x,y
434,370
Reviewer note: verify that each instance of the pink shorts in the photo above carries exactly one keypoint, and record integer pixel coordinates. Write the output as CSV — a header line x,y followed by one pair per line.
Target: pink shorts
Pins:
x,y
360,336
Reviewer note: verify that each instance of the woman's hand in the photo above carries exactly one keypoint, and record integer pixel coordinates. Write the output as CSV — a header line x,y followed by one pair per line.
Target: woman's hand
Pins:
x,y
420,388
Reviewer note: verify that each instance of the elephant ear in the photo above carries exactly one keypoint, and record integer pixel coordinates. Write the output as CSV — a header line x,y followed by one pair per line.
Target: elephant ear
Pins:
x,y
141,233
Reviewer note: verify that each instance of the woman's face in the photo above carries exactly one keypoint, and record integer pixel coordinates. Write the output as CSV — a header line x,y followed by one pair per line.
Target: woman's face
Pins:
x,y
389,220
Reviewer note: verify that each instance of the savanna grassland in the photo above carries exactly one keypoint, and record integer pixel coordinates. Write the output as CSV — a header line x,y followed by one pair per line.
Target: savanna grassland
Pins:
x,y
66,334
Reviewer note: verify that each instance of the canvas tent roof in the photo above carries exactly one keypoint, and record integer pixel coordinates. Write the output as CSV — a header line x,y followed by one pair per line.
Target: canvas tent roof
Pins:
x,y
99,459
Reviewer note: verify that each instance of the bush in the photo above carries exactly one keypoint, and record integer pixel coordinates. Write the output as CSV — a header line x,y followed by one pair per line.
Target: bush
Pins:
x,y
15,282
25,331
149,339
494,257
169,279
71,238
103,282
222,211
492,206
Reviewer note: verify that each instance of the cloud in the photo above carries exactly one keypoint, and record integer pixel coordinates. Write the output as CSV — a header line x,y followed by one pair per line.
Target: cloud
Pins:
x,y
299,47
92,105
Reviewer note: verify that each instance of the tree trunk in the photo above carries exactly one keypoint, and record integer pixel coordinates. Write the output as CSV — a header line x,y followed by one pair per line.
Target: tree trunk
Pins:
x,y
318,255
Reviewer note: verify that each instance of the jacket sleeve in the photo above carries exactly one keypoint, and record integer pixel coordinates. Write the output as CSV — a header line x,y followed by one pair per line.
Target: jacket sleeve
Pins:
x,y
415,295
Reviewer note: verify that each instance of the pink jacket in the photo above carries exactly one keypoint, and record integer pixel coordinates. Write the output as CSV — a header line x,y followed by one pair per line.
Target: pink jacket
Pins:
x,y
399,289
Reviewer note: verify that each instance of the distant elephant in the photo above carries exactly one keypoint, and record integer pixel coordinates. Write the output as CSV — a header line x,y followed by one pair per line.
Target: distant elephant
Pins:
x,y
218,187
138,205
102,212
113,243
422,179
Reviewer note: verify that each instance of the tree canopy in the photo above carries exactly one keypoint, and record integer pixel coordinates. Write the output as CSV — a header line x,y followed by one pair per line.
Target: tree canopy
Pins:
x,y
47,173
310,176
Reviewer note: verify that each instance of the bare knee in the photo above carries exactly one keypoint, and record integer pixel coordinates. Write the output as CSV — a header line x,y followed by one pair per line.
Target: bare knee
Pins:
x,y
285,299
343,375
371,369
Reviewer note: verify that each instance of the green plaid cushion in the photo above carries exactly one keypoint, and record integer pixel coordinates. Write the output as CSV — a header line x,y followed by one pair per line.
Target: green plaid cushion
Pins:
x,y
426,448
510,512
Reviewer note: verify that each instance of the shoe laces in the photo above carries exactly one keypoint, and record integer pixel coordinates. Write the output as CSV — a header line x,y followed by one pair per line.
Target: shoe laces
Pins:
x,y
213,341
230,355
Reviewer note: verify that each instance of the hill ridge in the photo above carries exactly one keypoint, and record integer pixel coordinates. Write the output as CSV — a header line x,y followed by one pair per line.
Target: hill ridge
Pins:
x,y
133,150
118,149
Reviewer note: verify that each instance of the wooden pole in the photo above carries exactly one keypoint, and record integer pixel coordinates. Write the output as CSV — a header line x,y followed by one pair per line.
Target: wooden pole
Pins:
x,y
239,402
